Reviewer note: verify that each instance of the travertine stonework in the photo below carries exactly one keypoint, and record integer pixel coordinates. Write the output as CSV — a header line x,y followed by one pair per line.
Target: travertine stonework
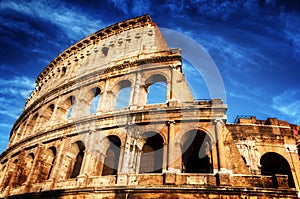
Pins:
x,y
75,139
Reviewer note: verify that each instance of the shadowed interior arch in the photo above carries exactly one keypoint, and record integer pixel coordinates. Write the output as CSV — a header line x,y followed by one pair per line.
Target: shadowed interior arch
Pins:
x,y
111,161
152,154
196,152
273,163
47,164
79,148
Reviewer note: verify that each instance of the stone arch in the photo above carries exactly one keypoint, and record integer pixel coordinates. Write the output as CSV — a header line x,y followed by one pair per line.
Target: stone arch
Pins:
x,y
23,169
156,87
188,128
123,94
31,124
28,165
66,108
46,115
146,132
46,167
94,100
273,163
111,160
12,173
72,161
196,150
151,160
17,132
78,150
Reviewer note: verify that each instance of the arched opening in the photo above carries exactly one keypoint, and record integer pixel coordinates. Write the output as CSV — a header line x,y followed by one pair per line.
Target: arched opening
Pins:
x,y
70,106
152,154
79,148
32,123
156,86
196,152
273,163
47,164
123,97
157,93
95,101
12,172
24,171
111,161
46,115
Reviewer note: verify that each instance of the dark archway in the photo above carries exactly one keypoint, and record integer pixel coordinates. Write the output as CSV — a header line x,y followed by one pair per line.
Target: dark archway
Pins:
x,y
273,163
79,147
196,152
152,154
111,161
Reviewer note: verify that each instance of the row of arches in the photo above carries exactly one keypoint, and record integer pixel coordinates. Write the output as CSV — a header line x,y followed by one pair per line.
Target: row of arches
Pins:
x,y
196,147
95,98
30,168
35,169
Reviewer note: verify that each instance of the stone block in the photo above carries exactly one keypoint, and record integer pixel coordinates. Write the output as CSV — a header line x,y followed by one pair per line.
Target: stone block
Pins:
x,y
223,178
169,178
282,181
122,179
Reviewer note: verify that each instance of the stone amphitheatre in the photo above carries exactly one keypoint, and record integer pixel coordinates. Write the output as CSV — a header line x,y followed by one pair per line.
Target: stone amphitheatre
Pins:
x,y
79,137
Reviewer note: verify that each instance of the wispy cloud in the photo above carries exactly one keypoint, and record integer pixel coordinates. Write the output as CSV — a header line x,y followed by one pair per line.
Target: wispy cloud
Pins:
x,y
288,104
13,93
70,20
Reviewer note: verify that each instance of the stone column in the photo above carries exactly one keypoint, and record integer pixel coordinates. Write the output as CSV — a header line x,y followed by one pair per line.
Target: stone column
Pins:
x,y
61,150
214,153
221,160
223,175
106,99
173,164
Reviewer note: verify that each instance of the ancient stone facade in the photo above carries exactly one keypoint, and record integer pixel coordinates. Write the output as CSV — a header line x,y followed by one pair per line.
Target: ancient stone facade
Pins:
x,y
79,137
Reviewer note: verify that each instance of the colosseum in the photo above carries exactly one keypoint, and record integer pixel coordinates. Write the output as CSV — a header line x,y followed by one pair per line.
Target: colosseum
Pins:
x,y
90,130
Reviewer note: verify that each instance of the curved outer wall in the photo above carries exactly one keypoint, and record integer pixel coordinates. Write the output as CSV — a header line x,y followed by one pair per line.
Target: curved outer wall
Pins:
x,y
76,138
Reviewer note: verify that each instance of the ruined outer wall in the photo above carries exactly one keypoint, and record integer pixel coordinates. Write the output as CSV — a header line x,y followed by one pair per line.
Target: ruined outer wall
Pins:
x,y
256,138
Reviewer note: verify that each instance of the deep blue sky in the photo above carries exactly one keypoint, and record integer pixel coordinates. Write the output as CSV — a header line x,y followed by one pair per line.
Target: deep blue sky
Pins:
x,y
255,44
